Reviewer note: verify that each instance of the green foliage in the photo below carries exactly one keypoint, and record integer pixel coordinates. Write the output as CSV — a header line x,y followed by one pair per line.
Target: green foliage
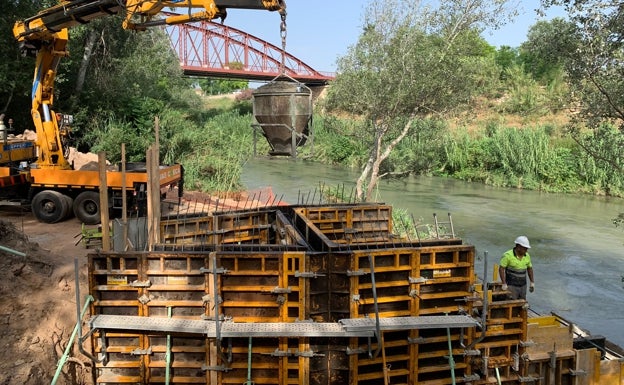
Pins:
x,y
405,226
420,153
339,141
549,45
466,157
221,86
506,57
215,153
382,77
602,159
594,62
529,158
525,95
339,150
108,132
521,154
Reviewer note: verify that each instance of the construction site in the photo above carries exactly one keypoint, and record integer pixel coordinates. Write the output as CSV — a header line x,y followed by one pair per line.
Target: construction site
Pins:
x,y
321,294
313,294
254,291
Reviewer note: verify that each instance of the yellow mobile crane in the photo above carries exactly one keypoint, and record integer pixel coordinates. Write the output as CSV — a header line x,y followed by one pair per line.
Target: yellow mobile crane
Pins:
x,y
54,189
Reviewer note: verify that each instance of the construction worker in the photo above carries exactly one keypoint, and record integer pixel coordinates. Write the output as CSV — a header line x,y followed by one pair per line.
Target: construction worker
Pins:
x,y
515,265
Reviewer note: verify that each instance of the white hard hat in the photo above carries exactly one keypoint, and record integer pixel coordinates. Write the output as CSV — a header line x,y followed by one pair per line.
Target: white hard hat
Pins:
x,y
523,241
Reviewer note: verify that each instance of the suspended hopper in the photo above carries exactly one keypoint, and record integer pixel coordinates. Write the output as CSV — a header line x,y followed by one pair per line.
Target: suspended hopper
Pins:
x,y
283,110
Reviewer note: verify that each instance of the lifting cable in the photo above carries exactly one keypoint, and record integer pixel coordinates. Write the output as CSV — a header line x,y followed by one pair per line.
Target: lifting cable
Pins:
x,y
283,36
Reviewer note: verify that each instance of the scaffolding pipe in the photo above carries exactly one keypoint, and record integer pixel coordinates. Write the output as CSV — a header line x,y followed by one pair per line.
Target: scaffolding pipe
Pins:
x,y
168,354
380,346
80,315
18,253
451,360
249,382
486,303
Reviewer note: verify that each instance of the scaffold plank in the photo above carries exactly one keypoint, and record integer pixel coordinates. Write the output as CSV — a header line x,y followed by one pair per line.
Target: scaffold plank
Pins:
x,y
228,328
155,324
408,323
290,329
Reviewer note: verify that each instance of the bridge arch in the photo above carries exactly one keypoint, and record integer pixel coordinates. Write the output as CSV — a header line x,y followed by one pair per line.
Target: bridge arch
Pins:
x,y
207,48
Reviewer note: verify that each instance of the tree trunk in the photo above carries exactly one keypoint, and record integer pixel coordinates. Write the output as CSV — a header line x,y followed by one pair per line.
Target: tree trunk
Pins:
x,y
92,38
9,99
359,186
374,174
371,171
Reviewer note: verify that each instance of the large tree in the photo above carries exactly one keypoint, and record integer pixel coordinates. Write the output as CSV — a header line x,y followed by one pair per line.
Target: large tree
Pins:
x,y
412,61
595,67
549,45
116,81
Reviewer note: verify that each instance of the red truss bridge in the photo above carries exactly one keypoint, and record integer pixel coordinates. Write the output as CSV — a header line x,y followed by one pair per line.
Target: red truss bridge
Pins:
x,y
211,49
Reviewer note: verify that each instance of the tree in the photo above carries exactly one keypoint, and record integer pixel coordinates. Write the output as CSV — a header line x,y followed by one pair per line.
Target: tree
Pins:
x,y
222,86
549,44
116,81
413,61
595,63
595,68
506,57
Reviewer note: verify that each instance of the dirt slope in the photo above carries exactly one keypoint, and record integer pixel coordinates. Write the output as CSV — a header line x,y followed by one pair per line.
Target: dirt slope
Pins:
x,y
37,299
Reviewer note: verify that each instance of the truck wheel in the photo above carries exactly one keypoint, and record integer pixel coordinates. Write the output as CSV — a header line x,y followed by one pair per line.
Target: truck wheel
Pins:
x,y
69,203
87,207
50,206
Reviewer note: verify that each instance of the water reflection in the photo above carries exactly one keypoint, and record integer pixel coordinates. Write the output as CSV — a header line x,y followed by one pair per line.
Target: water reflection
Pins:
x,y
577,252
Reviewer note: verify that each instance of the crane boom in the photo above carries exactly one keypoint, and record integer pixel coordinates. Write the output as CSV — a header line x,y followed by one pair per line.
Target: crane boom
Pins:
x,y
45,36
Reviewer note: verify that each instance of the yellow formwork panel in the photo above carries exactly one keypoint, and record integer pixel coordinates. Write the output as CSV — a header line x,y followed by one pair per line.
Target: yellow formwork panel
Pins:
x,y
347,224
548,335
187,229
262,286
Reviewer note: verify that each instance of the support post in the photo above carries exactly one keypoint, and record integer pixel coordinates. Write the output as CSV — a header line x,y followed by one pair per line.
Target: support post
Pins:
x,y
104,218
124,199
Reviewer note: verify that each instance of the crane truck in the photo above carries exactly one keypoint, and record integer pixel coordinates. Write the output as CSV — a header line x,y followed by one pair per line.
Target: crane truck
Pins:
x,y
38,171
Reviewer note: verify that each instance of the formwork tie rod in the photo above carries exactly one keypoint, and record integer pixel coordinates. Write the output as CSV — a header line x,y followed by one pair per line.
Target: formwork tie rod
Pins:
x,y
249,382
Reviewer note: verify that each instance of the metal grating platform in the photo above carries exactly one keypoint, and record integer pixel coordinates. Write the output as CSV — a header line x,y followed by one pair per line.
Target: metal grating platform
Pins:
x,y
228,329
282,329
155,324
352,327
407,323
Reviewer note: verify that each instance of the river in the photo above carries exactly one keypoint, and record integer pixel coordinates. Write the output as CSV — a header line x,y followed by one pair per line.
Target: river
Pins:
x,y
576,251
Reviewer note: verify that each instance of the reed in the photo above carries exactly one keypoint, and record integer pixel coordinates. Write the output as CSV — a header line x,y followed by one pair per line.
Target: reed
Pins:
x,y
216,152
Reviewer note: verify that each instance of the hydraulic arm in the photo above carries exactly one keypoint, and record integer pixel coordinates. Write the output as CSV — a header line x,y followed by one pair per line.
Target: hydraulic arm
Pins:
x,y
45,37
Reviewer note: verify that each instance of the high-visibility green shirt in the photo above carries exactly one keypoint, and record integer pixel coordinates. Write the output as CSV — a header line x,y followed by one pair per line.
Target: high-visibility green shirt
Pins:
x,y
515,268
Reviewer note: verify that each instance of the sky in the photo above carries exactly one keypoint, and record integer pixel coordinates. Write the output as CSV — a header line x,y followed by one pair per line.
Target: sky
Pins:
x,y
320,31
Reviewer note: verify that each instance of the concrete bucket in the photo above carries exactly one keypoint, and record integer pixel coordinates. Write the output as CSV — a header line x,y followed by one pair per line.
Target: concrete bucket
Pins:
x,y
283,110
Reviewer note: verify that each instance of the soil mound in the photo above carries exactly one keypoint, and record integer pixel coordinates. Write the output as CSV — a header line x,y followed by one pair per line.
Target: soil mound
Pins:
x,y
37,310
